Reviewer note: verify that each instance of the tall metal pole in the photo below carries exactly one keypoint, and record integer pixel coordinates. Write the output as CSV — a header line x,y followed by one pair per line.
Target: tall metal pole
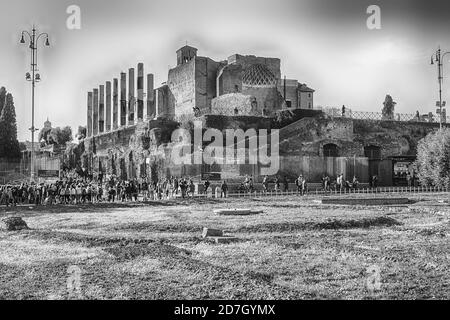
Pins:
x,y
440,86
33,84
439,57
34,77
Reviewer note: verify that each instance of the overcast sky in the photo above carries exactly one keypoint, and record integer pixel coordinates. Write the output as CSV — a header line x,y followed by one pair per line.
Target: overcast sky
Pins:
x,y
324,43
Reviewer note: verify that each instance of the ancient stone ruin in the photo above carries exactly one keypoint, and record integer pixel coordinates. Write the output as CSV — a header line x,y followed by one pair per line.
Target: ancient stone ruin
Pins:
x,y
133,140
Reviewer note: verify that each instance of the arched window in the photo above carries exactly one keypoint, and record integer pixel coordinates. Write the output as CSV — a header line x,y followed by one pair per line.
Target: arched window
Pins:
x,y
330,150
372,152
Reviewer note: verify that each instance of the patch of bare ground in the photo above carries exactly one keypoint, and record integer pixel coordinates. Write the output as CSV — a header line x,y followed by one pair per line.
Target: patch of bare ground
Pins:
x,y
86,240
247,285
159,227
331,224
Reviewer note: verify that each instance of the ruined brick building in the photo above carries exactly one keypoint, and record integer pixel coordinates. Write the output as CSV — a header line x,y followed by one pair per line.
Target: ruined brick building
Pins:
x,y
130,123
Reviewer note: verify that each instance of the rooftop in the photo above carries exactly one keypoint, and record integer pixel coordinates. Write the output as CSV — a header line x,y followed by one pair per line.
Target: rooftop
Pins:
x,y
304,88
258,75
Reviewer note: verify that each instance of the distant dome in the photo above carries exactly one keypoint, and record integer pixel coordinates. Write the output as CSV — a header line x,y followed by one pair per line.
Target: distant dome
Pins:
x,y
47,124
258,75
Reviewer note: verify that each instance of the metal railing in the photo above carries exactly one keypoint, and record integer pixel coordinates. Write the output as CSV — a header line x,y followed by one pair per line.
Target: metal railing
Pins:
x,y
334,192
259,194
378,116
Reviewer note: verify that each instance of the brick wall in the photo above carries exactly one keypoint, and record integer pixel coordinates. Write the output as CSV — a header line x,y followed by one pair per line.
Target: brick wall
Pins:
x,y
225,104
306,100
229,79
181,83
266,97
205,82
291,91
308,136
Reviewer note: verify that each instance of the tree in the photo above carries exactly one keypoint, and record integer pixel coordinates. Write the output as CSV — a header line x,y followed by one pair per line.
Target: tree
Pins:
x,y
433,159
44,135
388,108
9,145
2,98
22,146
81,132
61,136
57,136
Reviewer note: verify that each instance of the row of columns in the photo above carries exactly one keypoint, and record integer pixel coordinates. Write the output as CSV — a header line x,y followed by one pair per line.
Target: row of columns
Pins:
x,y
103,111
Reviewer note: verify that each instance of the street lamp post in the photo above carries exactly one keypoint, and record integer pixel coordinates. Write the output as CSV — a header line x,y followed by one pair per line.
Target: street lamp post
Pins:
x,y
33,78
439,57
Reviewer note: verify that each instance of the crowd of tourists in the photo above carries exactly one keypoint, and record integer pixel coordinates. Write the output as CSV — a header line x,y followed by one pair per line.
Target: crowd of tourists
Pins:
x,y
340,184
301,184
84,190
72,188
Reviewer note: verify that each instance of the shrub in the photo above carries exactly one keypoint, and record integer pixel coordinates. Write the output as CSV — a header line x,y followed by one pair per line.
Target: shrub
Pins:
x,y
433,159
284,118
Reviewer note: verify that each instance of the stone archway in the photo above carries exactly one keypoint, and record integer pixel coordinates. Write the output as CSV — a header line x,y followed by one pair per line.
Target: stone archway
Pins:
x,y
330,150
372,152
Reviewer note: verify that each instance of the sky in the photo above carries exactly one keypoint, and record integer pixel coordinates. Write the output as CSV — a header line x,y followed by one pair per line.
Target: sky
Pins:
x,y
324,43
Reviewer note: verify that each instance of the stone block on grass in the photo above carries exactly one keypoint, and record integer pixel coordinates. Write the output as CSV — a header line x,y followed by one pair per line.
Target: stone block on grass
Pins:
x,y
208,232
224,239
13,224
236,212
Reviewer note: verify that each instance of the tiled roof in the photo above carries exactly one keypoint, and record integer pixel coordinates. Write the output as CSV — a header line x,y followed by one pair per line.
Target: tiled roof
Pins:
x,y
304,88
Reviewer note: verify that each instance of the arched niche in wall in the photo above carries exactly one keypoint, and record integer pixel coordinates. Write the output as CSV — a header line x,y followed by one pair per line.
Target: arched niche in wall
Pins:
x,y
330,150
372,152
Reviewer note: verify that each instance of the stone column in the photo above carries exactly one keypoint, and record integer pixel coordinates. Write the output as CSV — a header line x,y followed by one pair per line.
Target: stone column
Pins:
x,y
131,96
151,112
89,114
140,92
95,114
159,102
115,103
123,99
101,110
108,106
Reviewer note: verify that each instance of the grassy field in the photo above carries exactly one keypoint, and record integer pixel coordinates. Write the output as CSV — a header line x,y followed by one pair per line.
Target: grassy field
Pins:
x,y
296,249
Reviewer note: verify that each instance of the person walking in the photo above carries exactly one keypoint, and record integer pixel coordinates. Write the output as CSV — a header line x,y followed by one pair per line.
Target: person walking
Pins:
x,y
375,181
286,184
224,189
73,195
250,184
265,184
62,195
176,185
5,196
304,186
206,185
134,191
79,193
299,184
191,188
183,187
168,187
340,182
277,184
144,188
355,183
408,178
